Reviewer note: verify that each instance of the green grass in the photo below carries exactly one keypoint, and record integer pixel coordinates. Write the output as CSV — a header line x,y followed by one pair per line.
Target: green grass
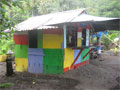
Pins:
x,y
5,85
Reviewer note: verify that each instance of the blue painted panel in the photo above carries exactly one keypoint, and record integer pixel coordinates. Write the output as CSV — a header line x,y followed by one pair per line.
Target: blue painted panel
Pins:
x,y
75,55
35,60
35,51
35,67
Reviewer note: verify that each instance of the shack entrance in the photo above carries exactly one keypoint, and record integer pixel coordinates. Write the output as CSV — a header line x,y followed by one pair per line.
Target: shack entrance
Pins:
x,y
32,39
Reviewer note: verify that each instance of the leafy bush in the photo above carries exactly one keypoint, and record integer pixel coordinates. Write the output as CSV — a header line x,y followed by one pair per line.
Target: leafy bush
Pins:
x,y
108,40
6,43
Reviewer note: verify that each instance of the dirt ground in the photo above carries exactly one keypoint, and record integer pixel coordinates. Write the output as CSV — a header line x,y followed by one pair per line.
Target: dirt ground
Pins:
x,y
101,74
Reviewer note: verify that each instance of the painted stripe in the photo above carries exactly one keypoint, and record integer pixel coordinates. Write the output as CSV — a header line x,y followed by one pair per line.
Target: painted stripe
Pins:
x,y
66,69
76,65
77,57
80,64
76,51
21,51
21,64
68,57
52,41
21,39
88,27
88,52
79,29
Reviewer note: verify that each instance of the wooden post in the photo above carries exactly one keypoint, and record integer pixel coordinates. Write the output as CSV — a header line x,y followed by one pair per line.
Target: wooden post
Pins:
x,y
79,36
65,34
87,37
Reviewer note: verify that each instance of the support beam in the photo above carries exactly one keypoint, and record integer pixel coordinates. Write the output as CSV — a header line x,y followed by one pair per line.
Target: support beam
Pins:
x,y
65,36
87,37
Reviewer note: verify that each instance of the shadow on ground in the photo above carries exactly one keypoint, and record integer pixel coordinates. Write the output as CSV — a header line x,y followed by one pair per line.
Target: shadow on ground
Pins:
x,y
29,81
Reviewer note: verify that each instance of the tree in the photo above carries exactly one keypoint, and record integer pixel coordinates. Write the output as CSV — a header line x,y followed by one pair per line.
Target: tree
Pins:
x,y
3,17
16,11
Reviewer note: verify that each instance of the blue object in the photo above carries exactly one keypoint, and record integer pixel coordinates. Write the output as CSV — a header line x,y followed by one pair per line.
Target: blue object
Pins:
x,y
105,32
99,34
75,55
99,48
35,60
93,35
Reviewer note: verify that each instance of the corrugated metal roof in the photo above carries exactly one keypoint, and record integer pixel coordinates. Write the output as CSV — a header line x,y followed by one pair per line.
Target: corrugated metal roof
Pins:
x,y
72,16
33,23
43,21
86,18
64,17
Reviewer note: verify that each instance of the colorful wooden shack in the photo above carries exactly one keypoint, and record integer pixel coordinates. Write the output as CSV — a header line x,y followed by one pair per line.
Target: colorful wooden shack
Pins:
x,y
52,50
42,51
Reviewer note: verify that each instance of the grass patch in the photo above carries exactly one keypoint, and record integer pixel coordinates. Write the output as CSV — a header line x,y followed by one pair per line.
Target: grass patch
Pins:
x,y
5,85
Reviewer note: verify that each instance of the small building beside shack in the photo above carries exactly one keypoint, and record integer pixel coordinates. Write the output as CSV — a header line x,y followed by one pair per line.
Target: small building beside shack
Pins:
x,y
54,43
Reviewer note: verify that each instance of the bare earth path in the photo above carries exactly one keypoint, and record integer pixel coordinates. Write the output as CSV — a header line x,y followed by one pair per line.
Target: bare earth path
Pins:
x,y
100,74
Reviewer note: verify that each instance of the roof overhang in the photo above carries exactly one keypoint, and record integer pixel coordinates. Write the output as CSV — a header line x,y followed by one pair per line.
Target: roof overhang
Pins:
x,y
98,23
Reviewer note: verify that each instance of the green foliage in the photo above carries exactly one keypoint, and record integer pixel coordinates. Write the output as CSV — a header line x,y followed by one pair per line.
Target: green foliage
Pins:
x,y
6,43
111,35
4,19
